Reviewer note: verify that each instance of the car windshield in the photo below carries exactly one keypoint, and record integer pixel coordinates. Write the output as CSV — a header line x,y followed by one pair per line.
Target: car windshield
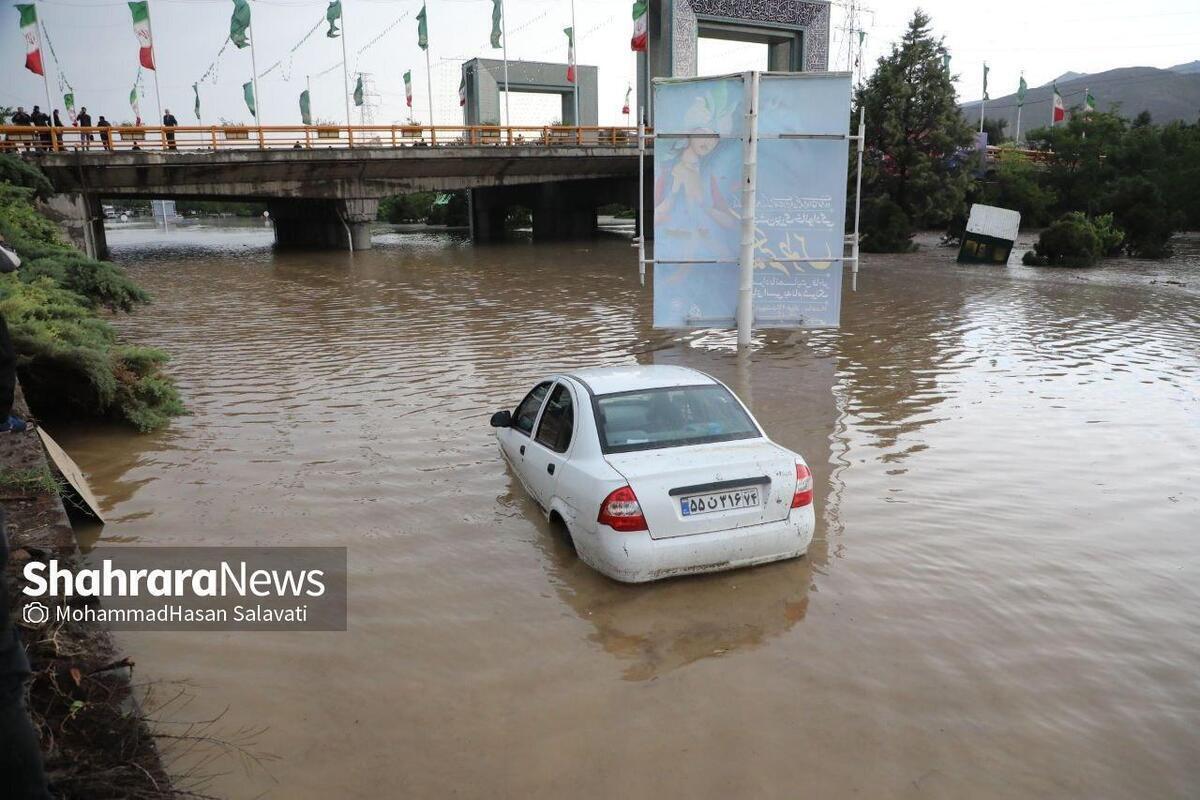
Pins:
x,y
651,418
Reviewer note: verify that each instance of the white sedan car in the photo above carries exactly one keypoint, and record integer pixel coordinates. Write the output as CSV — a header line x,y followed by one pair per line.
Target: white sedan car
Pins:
x,y
657,471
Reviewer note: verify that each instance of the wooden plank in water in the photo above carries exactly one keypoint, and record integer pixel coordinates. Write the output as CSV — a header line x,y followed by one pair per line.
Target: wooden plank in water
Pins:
x,y
70,470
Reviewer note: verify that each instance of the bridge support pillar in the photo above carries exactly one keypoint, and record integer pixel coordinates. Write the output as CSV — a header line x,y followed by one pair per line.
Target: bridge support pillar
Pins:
x,y
323,224
563,211
81,219
487,211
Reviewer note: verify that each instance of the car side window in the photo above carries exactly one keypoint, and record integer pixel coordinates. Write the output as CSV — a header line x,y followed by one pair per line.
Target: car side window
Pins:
x,y
527,411
558,421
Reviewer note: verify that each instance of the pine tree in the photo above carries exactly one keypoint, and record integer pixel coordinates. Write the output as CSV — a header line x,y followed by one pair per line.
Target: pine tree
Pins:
x,y
916,172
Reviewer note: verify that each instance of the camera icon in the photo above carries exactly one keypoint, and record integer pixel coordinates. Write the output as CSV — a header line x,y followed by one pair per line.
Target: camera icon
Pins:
x,y
35,613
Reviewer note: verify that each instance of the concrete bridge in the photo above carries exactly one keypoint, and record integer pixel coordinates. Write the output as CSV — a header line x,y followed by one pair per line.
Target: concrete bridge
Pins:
x,y
324,192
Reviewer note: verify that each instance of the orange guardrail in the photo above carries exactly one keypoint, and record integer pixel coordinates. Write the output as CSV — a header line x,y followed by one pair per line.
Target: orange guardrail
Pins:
x,y
276,137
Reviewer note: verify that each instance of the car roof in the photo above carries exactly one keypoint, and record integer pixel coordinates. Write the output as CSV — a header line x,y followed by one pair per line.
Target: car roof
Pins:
x,y
610,380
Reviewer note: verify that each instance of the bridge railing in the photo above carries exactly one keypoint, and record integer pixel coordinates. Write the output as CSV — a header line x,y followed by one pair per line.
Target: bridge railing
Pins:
x,y
300,137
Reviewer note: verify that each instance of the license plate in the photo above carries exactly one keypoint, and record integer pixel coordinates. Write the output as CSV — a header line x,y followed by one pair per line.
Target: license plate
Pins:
x,y
719,501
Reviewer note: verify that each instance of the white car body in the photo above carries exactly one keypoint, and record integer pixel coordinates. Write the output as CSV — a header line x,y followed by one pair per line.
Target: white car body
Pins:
x,y
572,478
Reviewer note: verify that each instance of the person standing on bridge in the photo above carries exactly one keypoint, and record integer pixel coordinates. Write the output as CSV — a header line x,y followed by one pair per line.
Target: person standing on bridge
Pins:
x,y
105,134
20,118
169,122
84,120
40,120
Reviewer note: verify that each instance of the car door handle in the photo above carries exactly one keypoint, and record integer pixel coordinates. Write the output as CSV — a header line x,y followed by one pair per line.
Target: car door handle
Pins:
x,y
550,468
522,449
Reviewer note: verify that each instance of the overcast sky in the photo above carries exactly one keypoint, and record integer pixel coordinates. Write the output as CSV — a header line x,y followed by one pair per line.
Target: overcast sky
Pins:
x,y
97,51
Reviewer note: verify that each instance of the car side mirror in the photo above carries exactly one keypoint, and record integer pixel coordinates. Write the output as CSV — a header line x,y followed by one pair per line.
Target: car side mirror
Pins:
x,y
502,419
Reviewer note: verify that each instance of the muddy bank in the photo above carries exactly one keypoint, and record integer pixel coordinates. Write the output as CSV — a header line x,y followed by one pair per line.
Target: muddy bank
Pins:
x,y
83,701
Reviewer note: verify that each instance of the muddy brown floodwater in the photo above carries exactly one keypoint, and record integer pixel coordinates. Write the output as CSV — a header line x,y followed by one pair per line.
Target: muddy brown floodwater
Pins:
x,y
1001,600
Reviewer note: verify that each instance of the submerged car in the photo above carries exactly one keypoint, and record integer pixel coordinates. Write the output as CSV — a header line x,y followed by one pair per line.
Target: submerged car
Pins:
x,y
657,471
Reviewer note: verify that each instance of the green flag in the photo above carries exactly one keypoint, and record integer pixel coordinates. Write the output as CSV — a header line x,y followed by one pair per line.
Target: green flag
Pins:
x,y
69,102
196,91
422,29
305,112
946,61
358,92
333,14
248,93
1089,103
496,12
1021,89
239,23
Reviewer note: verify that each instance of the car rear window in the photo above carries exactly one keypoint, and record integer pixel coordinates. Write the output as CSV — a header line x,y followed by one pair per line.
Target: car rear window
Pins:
x,y
652,418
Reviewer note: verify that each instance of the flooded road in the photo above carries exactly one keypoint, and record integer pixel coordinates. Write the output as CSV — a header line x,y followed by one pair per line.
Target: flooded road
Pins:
x,y
1001,599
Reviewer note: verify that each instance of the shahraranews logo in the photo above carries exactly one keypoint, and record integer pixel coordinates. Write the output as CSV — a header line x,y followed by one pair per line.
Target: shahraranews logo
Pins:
x,y
227,580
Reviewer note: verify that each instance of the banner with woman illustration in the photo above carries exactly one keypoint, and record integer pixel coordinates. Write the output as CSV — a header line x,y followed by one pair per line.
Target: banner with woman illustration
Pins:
x,y
800,215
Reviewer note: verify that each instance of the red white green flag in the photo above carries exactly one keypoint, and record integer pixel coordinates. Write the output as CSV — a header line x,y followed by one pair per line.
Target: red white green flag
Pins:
x,y
1059,109
628,91
408,87
462,91
141,27
641,31
570,32
1089,103
33,43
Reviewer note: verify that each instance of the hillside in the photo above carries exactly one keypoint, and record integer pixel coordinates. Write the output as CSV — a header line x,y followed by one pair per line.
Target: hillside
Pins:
x,y
1167,94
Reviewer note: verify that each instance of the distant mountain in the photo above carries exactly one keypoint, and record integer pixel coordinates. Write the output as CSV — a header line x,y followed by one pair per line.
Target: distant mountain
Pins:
x,y
1168,95
1066,76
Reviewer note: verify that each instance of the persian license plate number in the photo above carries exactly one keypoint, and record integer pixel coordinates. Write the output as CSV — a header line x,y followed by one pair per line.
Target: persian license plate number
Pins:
x,y
696,504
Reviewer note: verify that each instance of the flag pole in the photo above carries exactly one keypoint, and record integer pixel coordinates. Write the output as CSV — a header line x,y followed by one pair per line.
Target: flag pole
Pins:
x,y
575,51
45,61
429,85
345,78
154,56
504,32
254,83
983,102
1020,105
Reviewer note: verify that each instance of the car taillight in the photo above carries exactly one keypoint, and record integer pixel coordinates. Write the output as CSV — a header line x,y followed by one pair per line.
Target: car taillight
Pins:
x,y
804,487
622,512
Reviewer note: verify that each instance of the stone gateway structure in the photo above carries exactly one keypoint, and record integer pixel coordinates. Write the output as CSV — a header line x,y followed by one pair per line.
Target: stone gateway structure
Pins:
x,y
796,33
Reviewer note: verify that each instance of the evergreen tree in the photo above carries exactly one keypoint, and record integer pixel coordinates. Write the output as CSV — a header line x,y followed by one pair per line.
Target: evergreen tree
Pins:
x,y
917,167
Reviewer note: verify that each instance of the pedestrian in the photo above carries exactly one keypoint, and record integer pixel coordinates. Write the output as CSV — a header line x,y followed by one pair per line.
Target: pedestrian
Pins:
x,y
22,119
105,133
40,120
22,773
9,262
56,121
84,121
169,122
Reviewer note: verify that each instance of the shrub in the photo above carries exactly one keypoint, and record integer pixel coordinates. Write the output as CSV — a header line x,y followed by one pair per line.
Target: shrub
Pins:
x,y
1111,237
68,358
1070,241
1139,209
886,228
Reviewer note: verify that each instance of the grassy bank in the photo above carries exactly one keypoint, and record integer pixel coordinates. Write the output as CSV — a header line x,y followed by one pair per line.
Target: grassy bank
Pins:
x,y
70,360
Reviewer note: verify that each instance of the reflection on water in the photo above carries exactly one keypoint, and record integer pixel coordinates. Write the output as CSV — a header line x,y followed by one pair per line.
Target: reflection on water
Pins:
x,y
999,600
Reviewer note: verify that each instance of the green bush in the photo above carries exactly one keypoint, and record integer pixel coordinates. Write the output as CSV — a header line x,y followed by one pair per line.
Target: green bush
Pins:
x,y
1070,241
1111,237
1139,209
68,358
886,228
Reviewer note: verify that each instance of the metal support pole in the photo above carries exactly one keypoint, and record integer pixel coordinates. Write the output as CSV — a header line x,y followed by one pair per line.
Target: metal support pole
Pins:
x,y
745,306
254,82
45,62
504,33
345,81
641,231
429,85
575,48
862,139
154,52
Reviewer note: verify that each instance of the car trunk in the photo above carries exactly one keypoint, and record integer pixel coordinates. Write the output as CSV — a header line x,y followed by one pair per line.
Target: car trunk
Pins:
x,y
721,473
